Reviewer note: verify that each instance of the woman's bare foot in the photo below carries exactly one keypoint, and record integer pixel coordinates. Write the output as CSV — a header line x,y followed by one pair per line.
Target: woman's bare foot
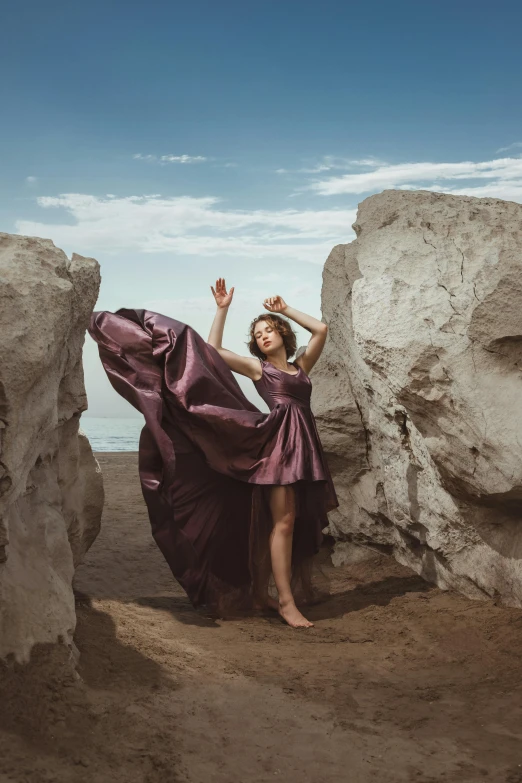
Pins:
x,y
291,614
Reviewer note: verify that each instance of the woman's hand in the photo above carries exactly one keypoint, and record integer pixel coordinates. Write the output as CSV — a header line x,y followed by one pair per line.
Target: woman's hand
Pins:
x,y
220,294
276,304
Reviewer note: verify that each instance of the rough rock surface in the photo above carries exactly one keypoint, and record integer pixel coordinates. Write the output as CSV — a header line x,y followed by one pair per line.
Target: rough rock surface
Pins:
x,y
418,394
51,491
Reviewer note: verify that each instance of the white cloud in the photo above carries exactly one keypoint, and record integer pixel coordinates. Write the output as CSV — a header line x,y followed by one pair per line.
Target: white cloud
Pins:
x,y
505,175
31,180
510,146
183,158
163,160
202,226
170,158
507,190
330,162
190,226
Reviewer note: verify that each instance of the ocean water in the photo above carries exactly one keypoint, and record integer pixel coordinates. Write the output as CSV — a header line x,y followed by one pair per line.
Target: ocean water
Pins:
x,y
112,434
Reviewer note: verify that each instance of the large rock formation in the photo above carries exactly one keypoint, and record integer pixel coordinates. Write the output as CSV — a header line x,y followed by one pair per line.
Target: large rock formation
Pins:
x,y
51,492
418,393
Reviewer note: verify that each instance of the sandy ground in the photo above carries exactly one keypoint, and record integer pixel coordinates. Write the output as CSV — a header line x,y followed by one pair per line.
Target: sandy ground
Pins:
x,y
397,681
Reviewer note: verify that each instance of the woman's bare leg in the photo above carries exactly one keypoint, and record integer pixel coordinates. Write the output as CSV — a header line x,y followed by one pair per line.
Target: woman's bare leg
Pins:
x,y
282,506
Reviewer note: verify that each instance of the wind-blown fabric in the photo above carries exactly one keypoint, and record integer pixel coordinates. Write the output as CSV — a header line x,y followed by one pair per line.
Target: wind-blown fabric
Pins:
x,y
207,457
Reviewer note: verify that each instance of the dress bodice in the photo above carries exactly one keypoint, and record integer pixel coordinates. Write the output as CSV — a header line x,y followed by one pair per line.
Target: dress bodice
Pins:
x,y
278,387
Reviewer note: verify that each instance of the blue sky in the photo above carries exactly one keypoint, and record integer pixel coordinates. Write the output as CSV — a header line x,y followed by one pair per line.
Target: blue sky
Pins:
x,y
179,142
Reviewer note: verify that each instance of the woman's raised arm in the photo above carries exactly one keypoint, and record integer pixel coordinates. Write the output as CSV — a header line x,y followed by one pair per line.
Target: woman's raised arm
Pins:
x,y
244,365
319,330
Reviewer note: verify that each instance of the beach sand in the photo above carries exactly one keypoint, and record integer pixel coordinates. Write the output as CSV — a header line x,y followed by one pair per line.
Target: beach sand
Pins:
x,y
397,681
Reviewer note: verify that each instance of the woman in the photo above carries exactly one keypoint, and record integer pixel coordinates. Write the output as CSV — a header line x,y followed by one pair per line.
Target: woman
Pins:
x,y
234,495
272,341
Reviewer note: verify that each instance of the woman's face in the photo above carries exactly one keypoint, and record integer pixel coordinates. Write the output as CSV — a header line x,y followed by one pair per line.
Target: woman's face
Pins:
x,y
267,338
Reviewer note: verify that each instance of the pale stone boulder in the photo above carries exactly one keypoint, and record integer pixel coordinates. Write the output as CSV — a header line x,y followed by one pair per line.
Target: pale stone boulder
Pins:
x,y
51,491
418,394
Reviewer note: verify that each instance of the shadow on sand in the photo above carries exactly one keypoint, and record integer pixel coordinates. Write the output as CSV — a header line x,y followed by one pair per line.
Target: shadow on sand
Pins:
x,y
378,593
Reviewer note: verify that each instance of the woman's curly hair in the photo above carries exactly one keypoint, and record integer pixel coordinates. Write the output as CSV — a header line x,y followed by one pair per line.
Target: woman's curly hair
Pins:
x,y
282,326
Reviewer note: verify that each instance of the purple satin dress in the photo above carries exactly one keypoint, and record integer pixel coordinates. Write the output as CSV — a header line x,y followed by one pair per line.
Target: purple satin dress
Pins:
x,y
207,457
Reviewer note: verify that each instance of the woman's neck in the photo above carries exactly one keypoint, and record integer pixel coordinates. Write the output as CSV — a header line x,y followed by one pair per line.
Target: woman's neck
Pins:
x,y
280,363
